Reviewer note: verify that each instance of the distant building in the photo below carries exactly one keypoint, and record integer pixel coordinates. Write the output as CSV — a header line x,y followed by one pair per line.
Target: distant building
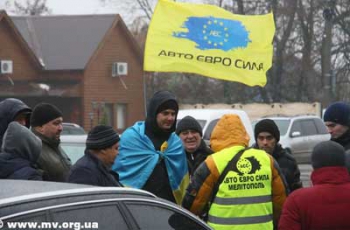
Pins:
x,y
75,62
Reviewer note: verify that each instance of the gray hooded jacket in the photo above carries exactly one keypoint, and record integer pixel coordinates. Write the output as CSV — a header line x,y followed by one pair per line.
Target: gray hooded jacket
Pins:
x,y
20,151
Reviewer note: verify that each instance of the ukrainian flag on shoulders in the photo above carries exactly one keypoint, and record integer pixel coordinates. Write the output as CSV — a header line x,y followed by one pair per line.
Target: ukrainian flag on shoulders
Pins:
x,y
210,41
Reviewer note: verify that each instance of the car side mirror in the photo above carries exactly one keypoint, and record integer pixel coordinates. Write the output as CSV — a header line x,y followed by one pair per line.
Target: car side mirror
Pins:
x,y
295,134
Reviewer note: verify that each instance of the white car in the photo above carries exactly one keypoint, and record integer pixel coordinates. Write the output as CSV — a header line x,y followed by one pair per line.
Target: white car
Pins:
x,y
208,118
300,134
72,129
73,146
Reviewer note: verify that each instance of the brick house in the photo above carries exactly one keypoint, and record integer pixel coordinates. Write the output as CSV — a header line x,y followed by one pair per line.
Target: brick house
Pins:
x,y
68,61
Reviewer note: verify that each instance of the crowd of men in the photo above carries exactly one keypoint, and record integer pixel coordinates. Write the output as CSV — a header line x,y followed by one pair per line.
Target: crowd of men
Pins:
x,y
228,184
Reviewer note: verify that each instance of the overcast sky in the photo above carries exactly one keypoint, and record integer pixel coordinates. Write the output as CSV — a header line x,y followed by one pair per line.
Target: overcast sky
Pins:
x,y
72,7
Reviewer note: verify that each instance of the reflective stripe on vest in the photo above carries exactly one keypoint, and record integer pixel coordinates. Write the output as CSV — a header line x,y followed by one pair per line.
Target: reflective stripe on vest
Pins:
x,y
244,198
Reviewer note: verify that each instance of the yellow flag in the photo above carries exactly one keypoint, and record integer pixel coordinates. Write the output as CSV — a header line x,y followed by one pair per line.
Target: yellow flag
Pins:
x,y
210,41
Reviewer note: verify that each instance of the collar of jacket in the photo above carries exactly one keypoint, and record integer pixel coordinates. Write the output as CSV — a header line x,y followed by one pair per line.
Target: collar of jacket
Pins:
x,y
278,151
103,168
343,139
330,175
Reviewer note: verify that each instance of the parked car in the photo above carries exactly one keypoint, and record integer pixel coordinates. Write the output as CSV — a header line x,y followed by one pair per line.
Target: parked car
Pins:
x,y
73,146
72,129
208,118
48,204
299,134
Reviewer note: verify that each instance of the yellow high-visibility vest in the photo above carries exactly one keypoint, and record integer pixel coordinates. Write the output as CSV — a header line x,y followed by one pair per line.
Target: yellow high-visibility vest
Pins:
x,y
244,198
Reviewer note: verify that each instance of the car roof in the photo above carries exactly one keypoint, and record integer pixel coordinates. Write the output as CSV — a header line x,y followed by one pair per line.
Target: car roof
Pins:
x,y
71,124
13,189
42,193
207,113
290,117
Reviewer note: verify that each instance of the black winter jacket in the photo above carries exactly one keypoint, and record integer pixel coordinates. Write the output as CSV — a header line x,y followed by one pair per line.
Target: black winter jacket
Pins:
x,y
90,170
197,157
20,153
9,108
289,167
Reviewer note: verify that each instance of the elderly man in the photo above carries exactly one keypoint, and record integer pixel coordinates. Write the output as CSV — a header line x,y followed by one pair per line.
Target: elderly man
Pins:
x,y
151,155
337,120
190,132
46,121
267,136
326,204
94,168
243,185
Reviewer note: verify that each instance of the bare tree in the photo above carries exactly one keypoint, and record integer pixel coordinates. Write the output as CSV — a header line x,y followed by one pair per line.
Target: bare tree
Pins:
x,y
30,7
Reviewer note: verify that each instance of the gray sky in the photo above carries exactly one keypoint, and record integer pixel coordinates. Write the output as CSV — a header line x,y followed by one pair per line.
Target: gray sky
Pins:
x,y
74,6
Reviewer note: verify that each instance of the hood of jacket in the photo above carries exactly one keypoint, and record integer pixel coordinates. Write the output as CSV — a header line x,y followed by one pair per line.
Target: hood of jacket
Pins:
x,y
9,108
229,131
151,120
19,141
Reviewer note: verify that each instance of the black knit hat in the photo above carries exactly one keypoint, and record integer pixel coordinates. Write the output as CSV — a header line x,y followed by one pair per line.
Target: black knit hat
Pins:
x,y
101,137
267,125
169,104
187,123
328,153
338,112
43,113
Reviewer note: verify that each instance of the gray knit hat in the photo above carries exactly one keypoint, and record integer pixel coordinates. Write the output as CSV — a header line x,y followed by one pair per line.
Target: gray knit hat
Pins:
x,y
101,137
187,123
327,154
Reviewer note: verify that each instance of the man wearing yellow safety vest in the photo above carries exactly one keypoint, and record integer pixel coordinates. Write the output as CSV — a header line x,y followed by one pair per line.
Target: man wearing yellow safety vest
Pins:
x,y
244,186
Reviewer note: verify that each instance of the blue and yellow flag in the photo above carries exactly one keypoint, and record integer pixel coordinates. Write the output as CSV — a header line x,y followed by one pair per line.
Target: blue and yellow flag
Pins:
x,y
210,41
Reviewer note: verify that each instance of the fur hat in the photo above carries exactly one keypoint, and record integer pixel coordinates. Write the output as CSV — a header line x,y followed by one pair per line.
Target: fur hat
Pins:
x,y
326,154
338,112
101,137
187,123
267,125
43,113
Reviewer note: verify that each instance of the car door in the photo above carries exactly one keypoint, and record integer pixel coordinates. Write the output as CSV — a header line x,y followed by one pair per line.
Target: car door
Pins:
x,y
310,130
30,220
298,140
152,215
106,216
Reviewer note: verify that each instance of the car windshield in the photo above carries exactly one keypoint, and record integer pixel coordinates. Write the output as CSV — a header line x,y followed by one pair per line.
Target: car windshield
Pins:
x,y
74,150
282,125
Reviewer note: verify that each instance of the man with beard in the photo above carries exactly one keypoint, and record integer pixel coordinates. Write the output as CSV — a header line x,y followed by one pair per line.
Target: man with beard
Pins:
x,y
151,155
337,120
267,136
46,122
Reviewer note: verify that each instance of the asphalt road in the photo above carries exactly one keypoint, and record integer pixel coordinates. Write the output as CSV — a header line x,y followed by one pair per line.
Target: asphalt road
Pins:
x,y
305,171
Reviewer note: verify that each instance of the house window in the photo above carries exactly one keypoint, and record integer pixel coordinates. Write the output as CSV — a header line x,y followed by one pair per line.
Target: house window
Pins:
x,y
120,115
108,115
